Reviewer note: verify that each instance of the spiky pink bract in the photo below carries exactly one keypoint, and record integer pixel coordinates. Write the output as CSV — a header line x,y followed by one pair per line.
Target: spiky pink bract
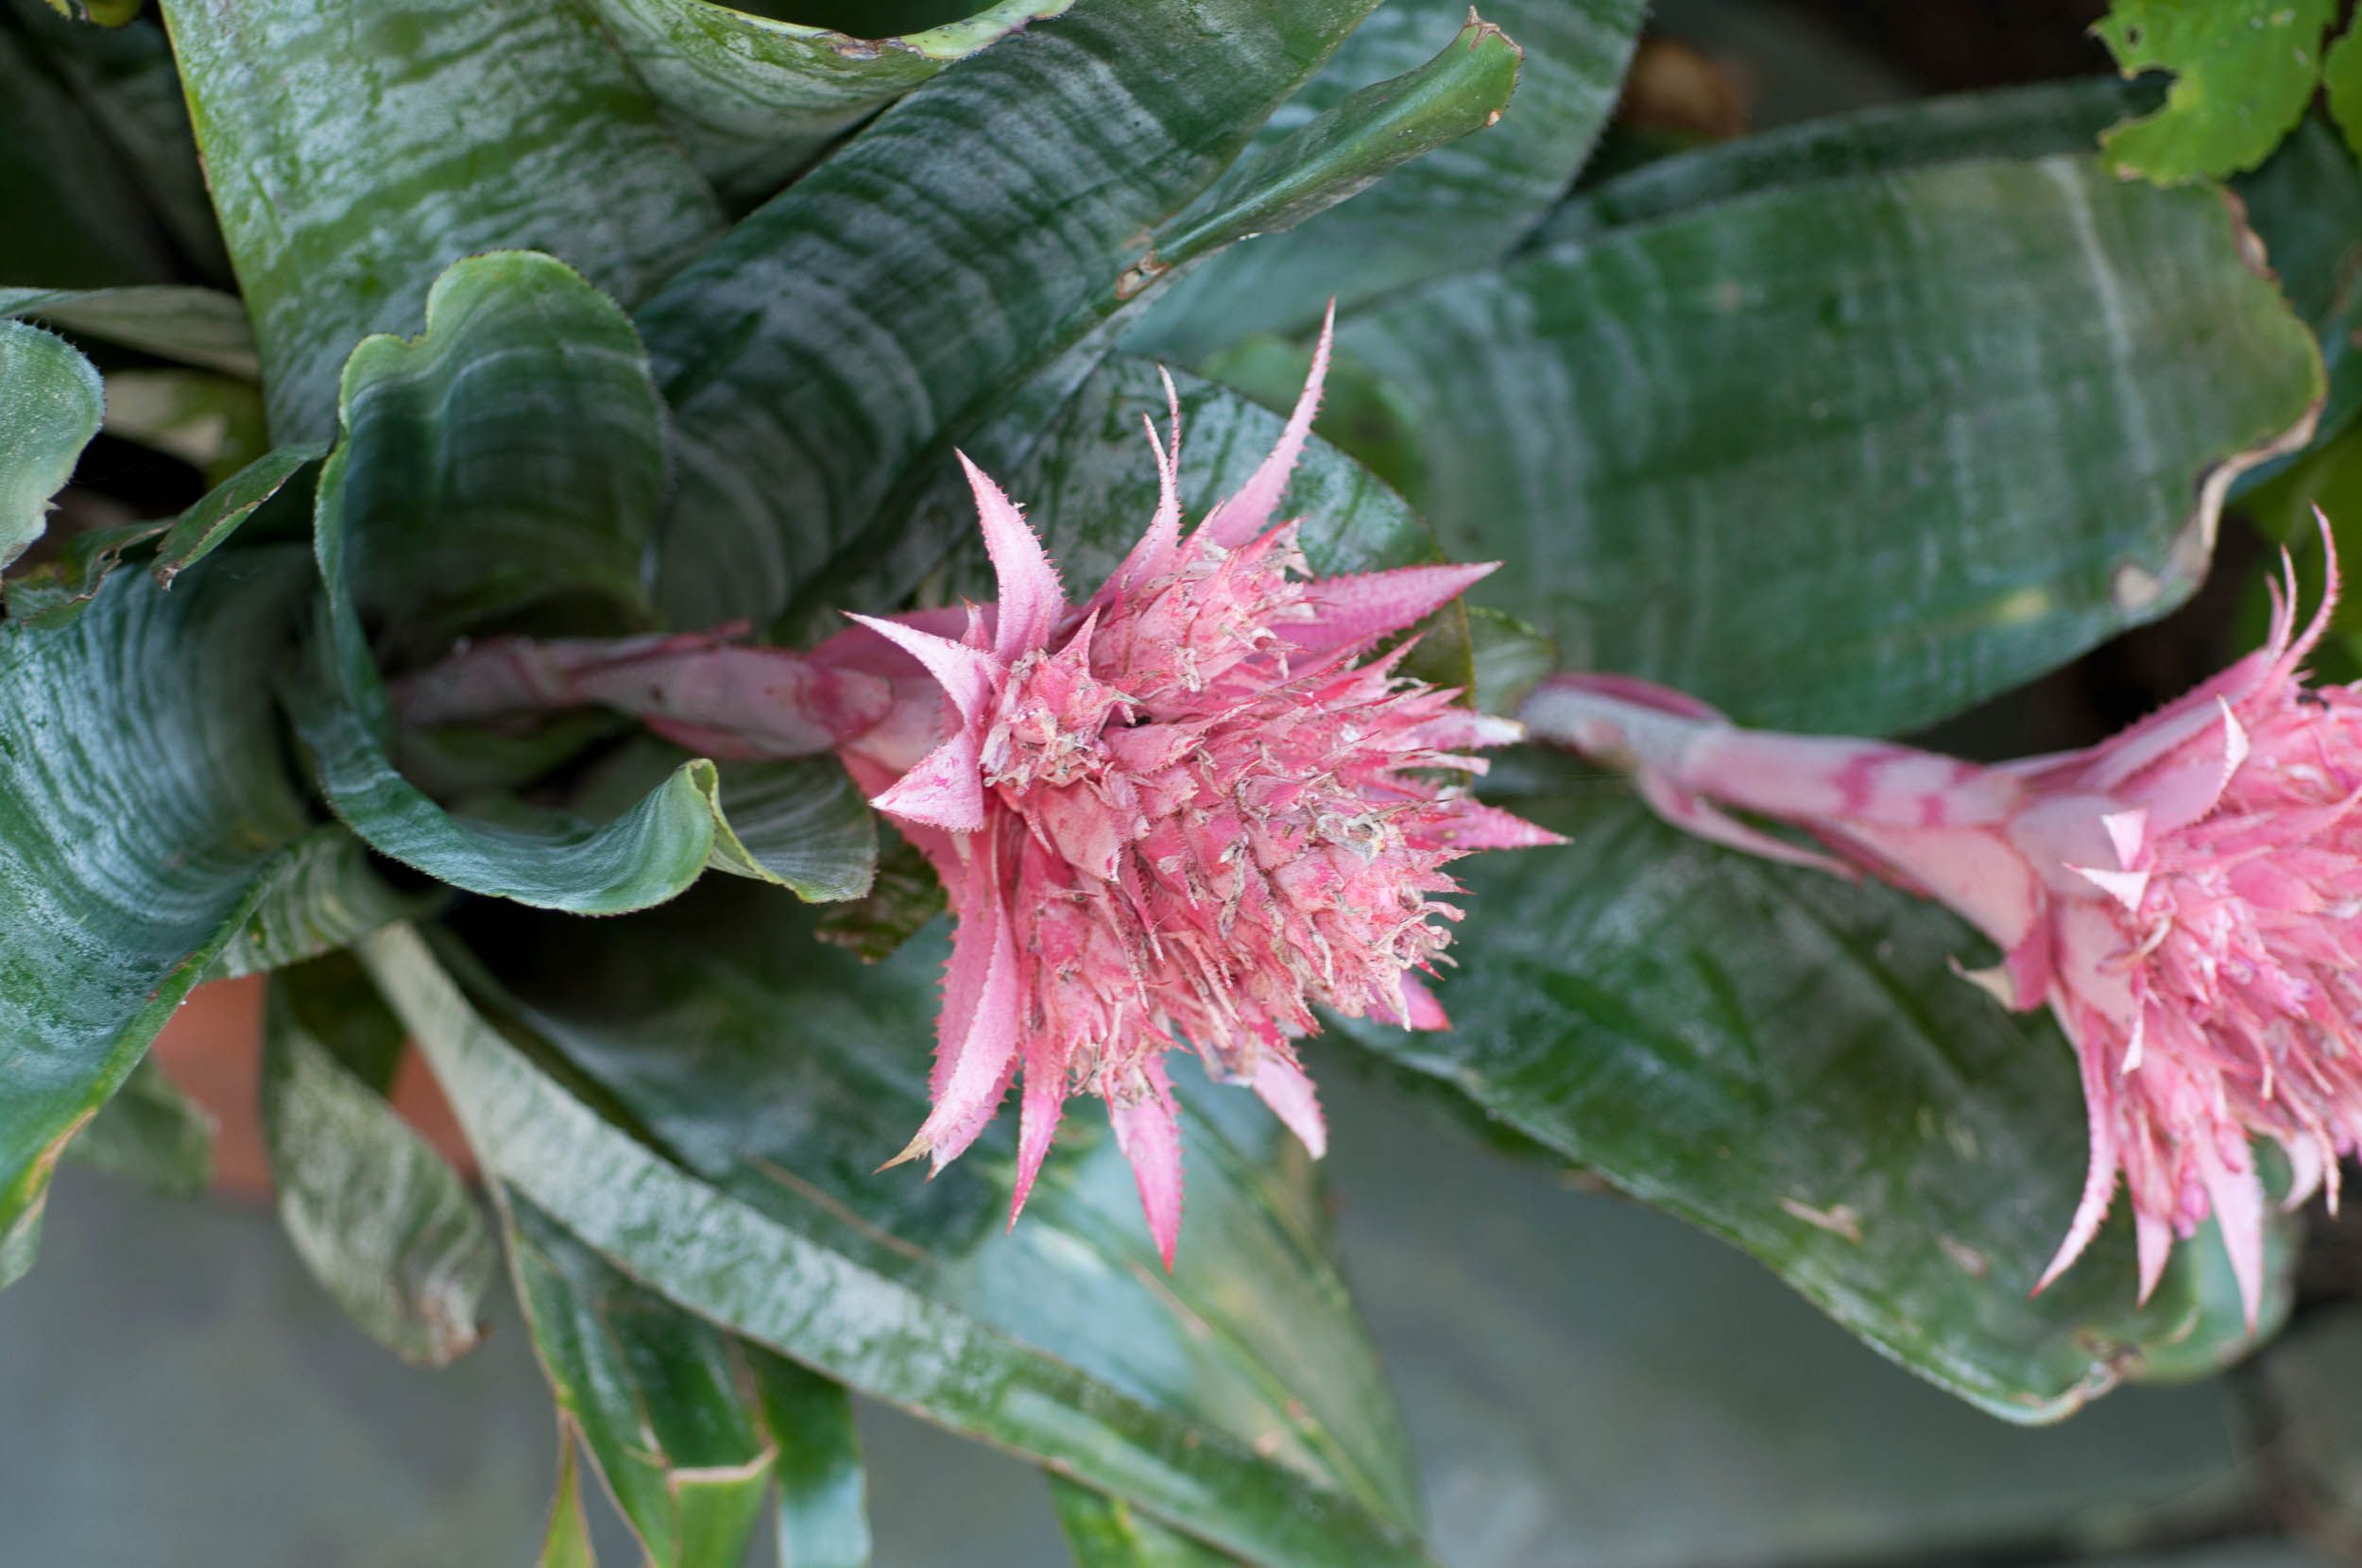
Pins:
x,y
2186,897
1191,809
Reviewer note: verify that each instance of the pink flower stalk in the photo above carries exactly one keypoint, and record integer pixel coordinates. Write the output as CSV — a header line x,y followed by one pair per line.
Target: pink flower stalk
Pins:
x,y
1190,807
2185,897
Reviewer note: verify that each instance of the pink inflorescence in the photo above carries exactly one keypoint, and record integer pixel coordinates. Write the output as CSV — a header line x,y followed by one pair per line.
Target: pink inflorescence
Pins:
x,y
1185,810
2186,897
1192,807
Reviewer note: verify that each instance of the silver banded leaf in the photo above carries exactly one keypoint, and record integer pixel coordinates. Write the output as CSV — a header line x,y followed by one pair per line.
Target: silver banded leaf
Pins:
x,y
508,457
377,1215
142,799
424,130
1856,454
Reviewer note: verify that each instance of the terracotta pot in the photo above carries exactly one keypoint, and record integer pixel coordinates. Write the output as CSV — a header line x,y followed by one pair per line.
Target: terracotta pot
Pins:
x,y
213,1048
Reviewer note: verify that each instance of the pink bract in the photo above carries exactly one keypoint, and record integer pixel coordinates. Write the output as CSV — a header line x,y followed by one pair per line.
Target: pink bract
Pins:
x,y
1188,809
2186,897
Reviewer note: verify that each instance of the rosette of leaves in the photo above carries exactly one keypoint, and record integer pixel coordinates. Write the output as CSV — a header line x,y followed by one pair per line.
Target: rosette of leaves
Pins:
x,y
622,315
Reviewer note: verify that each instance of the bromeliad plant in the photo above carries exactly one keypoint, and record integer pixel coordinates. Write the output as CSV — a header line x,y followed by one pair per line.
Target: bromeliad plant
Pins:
x,y
589,365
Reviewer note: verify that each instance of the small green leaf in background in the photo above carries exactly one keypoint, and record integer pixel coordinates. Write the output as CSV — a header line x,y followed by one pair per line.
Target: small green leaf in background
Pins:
x,y
754,98
50,407
823,1514
142,799
654,1391
2243,72
1790,1061
151,1133
425,131
567,1542
1855,453
1107,1532
378,1216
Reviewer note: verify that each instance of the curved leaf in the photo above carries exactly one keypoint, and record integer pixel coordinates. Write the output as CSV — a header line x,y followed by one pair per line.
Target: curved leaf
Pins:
x,y
196,326
2243,72
379,1218
424,130
50,407
973,234
1454,210
1789,1062
653,1390
824,1520
754,98
1240,1402
142,797
1852,455
508,456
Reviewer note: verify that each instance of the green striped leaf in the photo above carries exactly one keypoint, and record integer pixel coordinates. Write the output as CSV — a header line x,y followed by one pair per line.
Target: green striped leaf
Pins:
x,y
196,326
1857,454
425,131
377,1215
823,1514
141,804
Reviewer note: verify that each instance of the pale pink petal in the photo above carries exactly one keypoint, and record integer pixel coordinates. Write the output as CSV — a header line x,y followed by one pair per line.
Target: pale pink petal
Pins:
x,y
1149,1134
2238,1203
968,675
1249,512
984,1058
2099,1179
1151,557
944,789
1043,1106
1476,826
1032,599
1287,1090
1360,609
